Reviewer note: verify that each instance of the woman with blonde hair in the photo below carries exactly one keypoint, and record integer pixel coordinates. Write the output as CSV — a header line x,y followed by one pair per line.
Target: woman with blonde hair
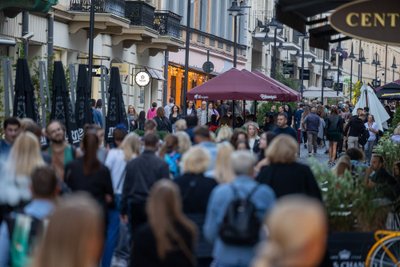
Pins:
x,y
15,181
283,174
224,134
254,139
297,228
223,171
74,235
195,191
169,236
184,142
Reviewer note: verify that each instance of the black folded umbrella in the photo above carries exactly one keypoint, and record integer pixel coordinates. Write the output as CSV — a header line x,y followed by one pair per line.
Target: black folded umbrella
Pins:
x,y
116,109
83,111
61,108
24,100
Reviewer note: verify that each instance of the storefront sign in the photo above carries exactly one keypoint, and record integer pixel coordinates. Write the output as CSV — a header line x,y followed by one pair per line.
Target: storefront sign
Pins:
x,y
349,249
377,21
123,68
142,78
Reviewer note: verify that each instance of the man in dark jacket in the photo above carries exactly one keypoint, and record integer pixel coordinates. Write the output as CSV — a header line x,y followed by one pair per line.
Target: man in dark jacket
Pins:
x,y
141,174
354,129
311,125
283,128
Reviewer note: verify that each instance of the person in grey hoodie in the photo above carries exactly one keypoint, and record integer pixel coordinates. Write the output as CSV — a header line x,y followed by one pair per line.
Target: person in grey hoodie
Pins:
x,y
311,125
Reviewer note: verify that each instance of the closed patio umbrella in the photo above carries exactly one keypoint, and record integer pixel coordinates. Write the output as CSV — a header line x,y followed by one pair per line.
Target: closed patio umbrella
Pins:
x,y
24,101
83,111
61,108
116,113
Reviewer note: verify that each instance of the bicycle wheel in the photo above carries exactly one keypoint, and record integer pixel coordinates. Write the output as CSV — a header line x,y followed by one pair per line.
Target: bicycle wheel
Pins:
x,y
386,254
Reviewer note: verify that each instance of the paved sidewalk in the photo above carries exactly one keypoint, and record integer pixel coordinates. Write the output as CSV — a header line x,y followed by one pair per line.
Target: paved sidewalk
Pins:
x,y
320,156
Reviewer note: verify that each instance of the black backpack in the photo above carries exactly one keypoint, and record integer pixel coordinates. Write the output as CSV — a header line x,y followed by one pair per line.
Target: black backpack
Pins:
x,y
363,137
241,225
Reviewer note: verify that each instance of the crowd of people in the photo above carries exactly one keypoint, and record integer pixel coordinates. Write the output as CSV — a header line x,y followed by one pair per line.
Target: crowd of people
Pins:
x,y
202,196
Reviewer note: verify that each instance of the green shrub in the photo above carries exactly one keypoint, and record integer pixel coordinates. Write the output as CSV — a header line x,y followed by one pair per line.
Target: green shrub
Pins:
x,y
350,205
388,150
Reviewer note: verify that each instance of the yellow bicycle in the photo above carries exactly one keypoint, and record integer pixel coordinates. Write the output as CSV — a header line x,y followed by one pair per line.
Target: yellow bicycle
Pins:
x,y
386,251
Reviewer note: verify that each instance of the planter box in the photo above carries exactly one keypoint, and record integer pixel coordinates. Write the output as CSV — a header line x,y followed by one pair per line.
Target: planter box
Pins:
x,y
350,249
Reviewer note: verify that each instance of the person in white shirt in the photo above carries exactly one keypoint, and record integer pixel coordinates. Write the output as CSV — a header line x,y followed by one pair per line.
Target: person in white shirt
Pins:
x,y
169,106
373,129
202,114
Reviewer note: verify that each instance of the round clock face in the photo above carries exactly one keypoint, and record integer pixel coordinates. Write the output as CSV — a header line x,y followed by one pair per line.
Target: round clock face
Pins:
x,y
142,78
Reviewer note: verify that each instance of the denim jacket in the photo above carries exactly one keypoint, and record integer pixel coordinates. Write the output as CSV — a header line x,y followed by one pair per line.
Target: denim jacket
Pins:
x,y
221,196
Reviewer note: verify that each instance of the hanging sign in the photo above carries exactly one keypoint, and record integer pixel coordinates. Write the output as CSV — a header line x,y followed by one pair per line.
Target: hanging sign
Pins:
x,y
376,21
142,78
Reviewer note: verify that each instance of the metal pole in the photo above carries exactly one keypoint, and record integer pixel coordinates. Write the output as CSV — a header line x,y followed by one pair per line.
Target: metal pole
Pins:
x,y
165,85
7,89
376,69
323,77
351,78
103,94
338,70
386,54
91,37
273,70
302,69
50,39
393,74
25,31
234,41
186,78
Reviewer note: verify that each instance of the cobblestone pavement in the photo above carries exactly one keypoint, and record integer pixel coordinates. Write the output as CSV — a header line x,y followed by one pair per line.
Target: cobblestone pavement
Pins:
x,y
321,156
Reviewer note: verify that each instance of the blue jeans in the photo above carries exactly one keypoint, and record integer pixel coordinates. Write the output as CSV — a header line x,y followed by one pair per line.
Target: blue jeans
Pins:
x,y
112,237
369,146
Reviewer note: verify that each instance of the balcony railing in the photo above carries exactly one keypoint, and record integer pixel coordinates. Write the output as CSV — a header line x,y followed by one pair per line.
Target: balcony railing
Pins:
x,y
116,7
167,23
140,13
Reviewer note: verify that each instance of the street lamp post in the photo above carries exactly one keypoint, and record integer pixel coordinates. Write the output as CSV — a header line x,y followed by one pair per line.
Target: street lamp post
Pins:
x,y
394,66
186,78
302,68
275,26
351,57
338,49
235,11
361,59
91,39
322,76
377,63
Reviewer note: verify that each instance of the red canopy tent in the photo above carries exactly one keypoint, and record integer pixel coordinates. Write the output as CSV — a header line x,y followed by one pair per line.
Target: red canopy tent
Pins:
x,y
238,85
281,85
292,95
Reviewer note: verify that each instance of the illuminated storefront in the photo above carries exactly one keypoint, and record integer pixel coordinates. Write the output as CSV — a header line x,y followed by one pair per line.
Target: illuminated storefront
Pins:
x,y
176,74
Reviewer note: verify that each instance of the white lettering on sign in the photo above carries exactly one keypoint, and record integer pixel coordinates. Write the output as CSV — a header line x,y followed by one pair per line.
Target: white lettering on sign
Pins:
x,y
197,96
265,97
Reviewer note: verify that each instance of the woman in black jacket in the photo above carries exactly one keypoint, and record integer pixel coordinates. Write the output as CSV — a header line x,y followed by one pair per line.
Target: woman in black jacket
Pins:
x,y
195,191
163,123
88,174
283,174
168,238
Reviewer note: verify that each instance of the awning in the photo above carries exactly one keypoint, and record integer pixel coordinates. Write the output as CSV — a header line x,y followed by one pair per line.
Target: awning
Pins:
x,y
7,41
155,74
390,91
297,15
239,85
